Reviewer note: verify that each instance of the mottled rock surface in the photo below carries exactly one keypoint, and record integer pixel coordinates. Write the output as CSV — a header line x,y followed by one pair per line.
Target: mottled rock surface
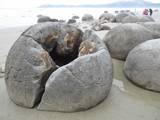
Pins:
x,y
81,84
123,38
87,17
70,21
107,16
59,39
27,68
30,60
42,18
47,61
142,65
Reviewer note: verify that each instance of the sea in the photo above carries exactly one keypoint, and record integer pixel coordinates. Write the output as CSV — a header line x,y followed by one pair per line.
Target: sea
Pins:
x,y
13,17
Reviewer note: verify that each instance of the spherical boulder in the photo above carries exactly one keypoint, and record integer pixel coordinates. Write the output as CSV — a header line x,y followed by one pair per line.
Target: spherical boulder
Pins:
x,y
87,17
70,21
75,17
42,18
142,65
154,27
121,16
123,38
83,83
145,19
107,16
130,19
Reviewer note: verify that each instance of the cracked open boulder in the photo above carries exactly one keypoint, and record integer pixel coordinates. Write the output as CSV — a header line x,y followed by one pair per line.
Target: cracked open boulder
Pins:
x,y
142,65
58,68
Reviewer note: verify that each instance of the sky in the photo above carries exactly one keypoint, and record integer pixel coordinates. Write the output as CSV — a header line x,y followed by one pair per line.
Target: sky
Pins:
x,y
36,3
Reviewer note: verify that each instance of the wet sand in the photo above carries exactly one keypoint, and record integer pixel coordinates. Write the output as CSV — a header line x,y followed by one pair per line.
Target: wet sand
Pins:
x,y
125,101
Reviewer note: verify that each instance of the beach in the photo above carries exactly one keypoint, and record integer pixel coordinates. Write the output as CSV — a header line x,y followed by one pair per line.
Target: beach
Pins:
x,y
125,101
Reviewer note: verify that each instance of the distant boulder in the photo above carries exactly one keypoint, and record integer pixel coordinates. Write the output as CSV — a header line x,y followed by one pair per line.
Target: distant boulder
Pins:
x,y
70,21
107,16
121,16
53,20
99,27
87,17
42,18
130,19
75,17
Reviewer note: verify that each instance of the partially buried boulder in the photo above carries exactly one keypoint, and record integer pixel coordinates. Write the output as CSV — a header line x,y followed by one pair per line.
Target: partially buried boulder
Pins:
x,y
142,65
123,38
83,83
87,17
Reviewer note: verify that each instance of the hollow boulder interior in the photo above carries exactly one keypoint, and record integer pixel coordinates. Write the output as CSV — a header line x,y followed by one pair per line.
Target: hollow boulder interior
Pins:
x,y
61,60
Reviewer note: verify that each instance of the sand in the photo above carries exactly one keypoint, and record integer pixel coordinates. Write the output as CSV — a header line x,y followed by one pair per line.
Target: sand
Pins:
x,y
125,101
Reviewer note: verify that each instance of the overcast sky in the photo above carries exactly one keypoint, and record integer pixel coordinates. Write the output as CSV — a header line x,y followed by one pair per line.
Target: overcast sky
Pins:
x,y
36,3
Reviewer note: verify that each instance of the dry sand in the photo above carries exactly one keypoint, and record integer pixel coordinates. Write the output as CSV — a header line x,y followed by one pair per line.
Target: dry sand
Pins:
x,y
125,101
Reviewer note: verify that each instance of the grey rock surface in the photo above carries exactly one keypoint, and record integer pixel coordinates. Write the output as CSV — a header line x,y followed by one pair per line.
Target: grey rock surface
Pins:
x,y
32,70
145,19
42,18
81,84
59,39
123,38
130,19
121,16
87,17
27,68
107,16
142,65
28,65
70,21
154,27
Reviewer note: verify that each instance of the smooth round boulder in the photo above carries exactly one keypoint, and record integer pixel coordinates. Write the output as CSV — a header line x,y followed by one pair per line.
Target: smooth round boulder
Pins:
x,y
75,17
123,38
107,16
145,19
154,27
87,17
142,65
70,21
42,18
121,16
84,82
35,55
130,19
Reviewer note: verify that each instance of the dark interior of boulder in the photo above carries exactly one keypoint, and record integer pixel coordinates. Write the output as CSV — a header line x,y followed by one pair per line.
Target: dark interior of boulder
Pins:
x,y
63,60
